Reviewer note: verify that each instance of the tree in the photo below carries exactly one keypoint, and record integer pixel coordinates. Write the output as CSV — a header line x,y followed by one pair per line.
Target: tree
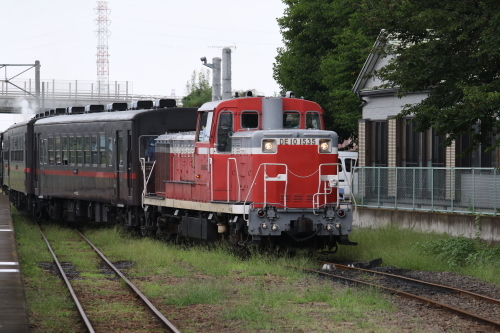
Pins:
x,y
450,49
198,90
326,45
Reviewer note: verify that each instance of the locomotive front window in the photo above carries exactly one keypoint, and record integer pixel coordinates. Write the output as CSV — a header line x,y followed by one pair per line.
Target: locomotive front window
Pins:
x,y
250,119
225,132
204,125
313,120
291,119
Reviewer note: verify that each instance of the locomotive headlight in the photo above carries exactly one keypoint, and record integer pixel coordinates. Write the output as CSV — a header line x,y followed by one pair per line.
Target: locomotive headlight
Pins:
x,y
269,146
325,146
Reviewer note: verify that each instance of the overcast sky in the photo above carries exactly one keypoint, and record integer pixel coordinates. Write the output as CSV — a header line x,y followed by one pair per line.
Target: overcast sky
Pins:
x,y
154,44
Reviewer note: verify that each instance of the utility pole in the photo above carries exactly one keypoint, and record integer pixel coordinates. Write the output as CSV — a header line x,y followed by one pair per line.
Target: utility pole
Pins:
x,y
102,33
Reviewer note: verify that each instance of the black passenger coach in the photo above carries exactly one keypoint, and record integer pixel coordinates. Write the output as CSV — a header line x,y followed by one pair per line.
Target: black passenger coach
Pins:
x,y
85,165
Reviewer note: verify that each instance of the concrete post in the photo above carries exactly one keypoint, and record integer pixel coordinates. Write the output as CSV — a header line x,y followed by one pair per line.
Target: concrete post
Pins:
x,y
37,82
226,73
216,75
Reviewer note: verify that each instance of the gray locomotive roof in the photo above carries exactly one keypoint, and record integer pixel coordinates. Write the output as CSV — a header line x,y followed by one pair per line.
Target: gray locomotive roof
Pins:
x,y
93,117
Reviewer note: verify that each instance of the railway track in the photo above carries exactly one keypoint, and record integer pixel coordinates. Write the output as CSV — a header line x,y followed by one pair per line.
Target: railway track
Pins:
x,y
480,308
167,325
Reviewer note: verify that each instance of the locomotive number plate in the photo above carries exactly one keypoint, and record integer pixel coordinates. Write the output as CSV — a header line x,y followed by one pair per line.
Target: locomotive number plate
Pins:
x,y
300,141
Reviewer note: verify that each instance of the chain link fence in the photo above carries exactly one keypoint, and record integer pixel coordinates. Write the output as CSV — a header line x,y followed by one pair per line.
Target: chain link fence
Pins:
x,y
457,190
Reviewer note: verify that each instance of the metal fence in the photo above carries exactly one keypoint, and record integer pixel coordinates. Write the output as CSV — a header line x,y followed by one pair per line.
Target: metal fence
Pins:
x,y
457,190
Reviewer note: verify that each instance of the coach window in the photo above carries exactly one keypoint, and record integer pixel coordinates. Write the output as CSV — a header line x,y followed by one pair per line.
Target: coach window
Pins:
x,y
51,150
204,125
42,151
249,119
291,119
65,156
313,120
110,151
93,145
225,131
102,149
72,152
58,150
78,149
86,149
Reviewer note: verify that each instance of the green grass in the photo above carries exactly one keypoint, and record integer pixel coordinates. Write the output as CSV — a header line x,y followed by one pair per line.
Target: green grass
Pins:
x,y
49,308
259,293
405,248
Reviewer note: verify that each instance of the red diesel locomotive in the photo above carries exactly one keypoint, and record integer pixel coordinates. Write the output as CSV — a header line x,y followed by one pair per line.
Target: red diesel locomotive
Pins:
x,y
256,169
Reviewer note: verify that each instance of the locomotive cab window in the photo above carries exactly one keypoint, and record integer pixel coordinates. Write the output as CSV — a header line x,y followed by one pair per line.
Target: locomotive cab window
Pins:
x,y
291,119
249,119
225,131
204,125
313,120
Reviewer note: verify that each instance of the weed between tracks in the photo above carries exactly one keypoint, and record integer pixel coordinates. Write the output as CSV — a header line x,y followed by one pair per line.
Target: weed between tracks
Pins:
x,y
207,289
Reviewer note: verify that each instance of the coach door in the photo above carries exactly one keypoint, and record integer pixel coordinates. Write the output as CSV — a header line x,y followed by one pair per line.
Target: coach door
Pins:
x,y
36,161
120,165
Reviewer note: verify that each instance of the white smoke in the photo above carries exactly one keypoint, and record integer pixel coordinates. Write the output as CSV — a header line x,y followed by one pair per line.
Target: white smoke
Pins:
x,y
27,109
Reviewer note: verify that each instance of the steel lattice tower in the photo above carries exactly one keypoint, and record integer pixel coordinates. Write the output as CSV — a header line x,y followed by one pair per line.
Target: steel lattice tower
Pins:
x,y
102,33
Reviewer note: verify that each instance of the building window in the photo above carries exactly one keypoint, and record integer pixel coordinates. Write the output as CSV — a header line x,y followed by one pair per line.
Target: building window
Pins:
x,y
413,145
477,159
438,150
379,143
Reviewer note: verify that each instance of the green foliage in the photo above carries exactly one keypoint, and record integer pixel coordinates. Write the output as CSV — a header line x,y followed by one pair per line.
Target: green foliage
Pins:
x,y
461,252
326,44
198,90
454,251
451,50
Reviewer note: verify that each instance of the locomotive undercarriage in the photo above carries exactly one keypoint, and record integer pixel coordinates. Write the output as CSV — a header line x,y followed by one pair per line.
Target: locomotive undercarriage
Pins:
x,y
274,226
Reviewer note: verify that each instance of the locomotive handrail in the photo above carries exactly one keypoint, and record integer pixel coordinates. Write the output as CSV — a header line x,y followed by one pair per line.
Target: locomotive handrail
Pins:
x,y
316,204
265,187
145,181
237,177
